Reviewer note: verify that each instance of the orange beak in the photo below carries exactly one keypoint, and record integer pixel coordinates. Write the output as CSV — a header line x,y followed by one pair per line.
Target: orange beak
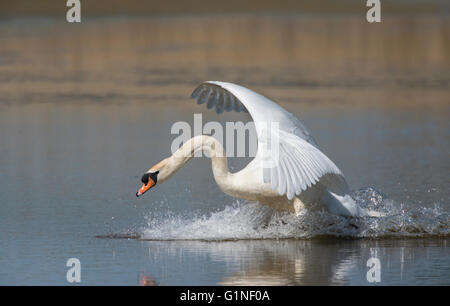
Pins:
x,y
145,187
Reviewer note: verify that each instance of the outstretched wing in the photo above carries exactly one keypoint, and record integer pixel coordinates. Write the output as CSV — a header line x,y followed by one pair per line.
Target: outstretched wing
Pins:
x,y
228,96
291,165
294,163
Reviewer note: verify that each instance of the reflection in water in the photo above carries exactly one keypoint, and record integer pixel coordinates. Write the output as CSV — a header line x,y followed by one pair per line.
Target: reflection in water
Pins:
x,y
146,280
291,263
300,262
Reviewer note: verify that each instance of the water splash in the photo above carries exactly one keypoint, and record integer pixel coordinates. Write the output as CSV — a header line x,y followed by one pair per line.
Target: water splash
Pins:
x,y
254,221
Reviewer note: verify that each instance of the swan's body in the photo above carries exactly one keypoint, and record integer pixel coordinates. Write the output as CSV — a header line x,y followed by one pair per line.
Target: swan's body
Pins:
x,y
291,176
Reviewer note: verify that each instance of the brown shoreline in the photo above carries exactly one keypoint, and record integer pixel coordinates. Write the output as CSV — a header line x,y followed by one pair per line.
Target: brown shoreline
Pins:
x,y
317,61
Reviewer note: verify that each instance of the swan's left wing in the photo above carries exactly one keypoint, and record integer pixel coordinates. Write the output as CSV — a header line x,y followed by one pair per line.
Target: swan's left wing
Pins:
x,y
291,165
225,96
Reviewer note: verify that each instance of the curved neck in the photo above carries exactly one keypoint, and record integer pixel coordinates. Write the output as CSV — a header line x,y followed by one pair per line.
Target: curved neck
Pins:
x,y
212,148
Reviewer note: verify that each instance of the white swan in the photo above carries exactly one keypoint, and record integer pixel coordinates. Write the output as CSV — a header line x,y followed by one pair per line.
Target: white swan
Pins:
x,y
299,175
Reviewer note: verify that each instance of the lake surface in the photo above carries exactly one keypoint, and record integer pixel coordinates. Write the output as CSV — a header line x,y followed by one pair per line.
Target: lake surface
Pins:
x,y
86,109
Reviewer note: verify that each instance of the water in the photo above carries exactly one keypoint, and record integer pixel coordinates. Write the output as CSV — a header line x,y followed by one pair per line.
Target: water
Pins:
x,y
85,110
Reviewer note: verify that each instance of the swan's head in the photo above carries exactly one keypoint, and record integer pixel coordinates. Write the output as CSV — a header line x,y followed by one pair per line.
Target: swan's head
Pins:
x,y
156,174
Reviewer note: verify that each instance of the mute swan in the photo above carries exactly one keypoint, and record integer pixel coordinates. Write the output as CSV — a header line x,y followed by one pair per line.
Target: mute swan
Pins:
x,y
300,175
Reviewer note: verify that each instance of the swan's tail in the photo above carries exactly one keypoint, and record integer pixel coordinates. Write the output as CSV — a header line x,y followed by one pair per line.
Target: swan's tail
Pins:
x,y
347,206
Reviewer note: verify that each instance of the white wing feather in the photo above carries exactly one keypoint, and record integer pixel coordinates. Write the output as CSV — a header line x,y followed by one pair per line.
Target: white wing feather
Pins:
x,y
298,163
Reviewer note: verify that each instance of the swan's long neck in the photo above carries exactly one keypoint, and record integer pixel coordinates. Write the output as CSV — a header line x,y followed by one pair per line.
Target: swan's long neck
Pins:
x,y
213,148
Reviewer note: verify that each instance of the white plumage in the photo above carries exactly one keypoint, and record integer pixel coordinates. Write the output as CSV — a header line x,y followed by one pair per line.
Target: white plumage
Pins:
x,y
300,164
289,172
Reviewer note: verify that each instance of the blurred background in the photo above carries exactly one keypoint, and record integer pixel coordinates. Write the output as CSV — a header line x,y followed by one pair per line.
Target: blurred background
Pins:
x,y
153,7
86,108
136,50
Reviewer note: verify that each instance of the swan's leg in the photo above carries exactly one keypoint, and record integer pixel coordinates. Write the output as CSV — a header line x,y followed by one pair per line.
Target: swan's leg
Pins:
x,y
299,206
